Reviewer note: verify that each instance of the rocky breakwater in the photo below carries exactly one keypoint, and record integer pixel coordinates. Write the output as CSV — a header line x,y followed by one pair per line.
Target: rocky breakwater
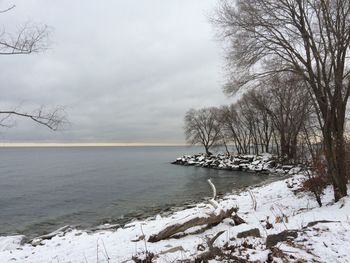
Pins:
x,y
265,163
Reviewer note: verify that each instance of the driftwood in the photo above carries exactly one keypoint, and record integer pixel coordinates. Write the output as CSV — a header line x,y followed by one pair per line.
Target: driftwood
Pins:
x,y
211,219
313,223
61,231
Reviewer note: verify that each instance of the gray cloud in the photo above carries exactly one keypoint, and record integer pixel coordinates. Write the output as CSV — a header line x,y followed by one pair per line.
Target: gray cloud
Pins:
x,y
126,70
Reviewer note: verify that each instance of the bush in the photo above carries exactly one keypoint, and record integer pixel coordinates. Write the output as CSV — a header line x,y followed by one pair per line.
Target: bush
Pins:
x,y
317,178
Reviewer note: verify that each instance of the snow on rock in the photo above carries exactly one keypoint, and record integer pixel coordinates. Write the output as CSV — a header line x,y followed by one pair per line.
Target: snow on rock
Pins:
x,y
264,163
323,234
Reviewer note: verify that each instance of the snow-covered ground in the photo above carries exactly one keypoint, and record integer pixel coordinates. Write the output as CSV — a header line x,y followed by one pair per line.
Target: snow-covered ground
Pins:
x,y
279,207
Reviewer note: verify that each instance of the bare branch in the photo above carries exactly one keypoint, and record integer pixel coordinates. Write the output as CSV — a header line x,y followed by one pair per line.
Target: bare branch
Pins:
x,y
54,119
7,9
29,39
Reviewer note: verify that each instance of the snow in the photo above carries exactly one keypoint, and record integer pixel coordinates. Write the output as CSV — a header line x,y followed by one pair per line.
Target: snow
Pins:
x,y
265,162
11,242
277,203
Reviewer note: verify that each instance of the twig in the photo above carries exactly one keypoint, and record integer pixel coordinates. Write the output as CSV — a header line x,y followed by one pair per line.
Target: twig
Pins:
x,y
97,260
212,240
85,258
7,9
106,254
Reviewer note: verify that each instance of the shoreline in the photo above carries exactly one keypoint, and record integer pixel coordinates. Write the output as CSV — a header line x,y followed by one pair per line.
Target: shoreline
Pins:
x,y
42,227
278,204
163,211
167,211
280,221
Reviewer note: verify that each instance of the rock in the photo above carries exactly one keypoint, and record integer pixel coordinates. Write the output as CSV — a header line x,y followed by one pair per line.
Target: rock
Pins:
x,y
267,157
311,224
237,220
264,163
36,242
287,167
270,164
272,240
254,232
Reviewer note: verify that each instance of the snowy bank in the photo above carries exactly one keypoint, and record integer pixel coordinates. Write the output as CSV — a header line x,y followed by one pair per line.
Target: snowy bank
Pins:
x,y
265,163
308,232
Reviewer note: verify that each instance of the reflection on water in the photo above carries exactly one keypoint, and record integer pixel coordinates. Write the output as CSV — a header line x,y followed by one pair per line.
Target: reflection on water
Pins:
x,y
42,189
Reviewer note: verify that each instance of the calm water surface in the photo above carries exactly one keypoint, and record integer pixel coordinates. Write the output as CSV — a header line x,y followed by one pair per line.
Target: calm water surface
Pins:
x,y
42,189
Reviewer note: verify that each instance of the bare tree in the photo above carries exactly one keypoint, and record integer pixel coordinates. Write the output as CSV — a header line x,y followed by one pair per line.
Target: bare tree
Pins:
x,y
202,127
233,128
29,39
310,38
286,100
258,119
245,125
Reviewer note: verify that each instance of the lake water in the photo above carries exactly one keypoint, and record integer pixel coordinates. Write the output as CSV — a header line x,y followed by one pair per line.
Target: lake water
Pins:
x,y
42,189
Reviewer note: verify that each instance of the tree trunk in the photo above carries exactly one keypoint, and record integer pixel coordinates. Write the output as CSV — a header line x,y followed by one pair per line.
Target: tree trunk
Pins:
x,y
277,145
283,144
227,151
207,150
293,147
335,153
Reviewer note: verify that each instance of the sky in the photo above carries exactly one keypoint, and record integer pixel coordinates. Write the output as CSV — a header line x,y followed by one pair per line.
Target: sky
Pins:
x,y
126,71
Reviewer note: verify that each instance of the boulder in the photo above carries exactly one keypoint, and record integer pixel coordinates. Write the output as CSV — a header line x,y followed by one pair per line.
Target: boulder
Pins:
x,y
274,239
254,232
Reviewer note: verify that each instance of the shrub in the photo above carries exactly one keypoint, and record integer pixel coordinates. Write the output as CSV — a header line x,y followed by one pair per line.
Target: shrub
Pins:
x,y
317,178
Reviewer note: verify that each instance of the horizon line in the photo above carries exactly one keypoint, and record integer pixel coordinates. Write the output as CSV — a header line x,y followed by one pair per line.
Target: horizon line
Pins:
x,y
77,144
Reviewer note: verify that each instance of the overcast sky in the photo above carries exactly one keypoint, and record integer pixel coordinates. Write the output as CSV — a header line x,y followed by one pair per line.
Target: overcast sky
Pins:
x,y
126,70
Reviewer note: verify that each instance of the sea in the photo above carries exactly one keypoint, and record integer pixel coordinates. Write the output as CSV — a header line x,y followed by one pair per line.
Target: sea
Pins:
x,y
44,188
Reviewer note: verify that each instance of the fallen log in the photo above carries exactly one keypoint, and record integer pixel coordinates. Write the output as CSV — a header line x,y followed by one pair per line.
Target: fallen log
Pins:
x,y
211,219
61,231
313,223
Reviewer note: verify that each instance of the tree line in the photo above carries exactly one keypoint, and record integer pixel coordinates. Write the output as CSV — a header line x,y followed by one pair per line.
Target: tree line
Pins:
x,y
276,117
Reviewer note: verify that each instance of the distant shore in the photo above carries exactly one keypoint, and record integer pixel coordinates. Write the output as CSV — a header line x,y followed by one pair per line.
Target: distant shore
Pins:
x,y
133,144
